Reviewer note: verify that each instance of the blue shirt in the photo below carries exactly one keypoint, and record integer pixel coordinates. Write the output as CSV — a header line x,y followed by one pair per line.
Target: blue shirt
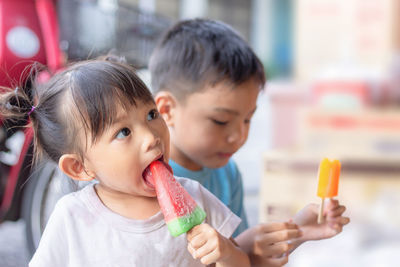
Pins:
x,y
225,183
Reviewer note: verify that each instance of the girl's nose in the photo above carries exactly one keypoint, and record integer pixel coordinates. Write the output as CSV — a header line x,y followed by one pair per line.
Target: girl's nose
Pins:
x,y
150,140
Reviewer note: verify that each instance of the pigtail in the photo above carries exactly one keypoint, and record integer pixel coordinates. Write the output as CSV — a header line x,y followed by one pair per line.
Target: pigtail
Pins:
x,y
16,104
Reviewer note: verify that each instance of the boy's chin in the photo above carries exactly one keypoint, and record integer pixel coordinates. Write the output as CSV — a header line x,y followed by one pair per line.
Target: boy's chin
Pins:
x,y
216,164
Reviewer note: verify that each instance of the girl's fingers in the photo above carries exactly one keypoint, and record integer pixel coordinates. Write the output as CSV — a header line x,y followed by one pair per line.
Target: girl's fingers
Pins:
x,y
191,250
198,229
210,258
197,241
204,250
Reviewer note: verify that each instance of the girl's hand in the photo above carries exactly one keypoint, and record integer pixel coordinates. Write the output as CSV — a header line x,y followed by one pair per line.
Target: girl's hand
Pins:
x,y
206,244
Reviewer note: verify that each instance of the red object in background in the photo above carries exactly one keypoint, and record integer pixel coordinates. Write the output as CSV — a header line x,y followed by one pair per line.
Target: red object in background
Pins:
x,y
28,33
356,89
21,39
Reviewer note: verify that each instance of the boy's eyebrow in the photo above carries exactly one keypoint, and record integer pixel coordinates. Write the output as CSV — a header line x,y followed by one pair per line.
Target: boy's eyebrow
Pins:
x,y
234,112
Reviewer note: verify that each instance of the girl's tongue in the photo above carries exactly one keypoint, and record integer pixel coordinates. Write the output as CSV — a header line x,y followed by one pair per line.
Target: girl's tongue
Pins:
x,y
148,177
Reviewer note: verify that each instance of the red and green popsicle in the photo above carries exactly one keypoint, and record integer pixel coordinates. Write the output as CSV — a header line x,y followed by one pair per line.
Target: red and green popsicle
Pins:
x,y
181,212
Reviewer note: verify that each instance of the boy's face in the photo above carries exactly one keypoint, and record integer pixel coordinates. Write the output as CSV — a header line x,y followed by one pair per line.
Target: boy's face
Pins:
x,y
210,125
137,137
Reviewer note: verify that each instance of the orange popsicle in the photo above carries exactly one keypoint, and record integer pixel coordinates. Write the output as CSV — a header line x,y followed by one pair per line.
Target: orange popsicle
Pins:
x,y
328,182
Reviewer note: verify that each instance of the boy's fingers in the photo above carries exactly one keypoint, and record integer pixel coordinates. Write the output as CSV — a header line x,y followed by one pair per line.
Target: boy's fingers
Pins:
x,y
338,224
338,220
273,227
276,249
332,203
266,240
276,262
338,211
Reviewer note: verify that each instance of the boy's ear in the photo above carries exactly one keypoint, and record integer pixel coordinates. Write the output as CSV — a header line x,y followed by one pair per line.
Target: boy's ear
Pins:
x,y
166,104
72,166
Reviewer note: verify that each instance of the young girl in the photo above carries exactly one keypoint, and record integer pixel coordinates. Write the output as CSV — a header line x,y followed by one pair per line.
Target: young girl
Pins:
x,y
99,122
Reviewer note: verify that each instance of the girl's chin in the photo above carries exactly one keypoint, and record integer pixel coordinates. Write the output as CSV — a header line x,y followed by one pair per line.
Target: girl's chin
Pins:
x,y
151,192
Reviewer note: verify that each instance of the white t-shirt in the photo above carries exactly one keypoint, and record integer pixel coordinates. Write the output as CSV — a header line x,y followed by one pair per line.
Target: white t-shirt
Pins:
x,y
82,232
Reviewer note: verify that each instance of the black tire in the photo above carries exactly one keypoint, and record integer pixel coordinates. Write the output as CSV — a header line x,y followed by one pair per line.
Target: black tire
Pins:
x,y
45,187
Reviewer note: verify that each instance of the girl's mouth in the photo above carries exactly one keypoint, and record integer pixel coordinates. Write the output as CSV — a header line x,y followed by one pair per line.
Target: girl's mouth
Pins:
x,y
148,176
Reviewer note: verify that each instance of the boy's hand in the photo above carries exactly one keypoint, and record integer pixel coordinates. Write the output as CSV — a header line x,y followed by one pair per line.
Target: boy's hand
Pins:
x,y
206,244
332,225
268,244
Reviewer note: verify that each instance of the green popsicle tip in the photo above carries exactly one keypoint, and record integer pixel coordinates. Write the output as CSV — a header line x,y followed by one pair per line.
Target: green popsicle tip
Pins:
x,y
183,224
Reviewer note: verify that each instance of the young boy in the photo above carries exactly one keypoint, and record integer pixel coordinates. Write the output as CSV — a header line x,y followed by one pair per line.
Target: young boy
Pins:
x,y
206,80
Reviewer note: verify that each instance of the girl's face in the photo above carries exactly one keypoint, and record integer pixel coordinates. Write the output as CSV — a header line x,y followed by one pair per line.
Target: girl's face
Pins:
x,y
137,137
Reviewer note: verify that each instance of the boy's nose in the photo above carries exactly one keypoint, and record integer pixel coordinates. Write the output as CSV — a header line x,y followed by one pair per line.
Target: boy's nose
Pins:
x,y
238,135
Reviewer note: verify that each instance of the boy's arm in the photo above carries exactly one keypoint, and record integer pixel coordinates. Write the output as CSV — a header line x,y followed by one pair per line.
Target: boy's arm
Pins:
x,y
267,244
206,244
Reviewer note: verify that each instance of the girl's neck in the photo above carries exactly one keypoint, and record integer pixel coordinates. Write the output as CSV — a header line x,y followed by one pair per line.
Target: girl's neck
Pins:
x,y
132,207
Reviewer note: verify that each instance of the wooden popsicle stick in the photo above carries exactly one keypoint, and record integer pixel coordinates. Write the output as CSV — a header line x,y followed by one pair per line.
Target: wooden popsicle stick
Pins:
x,y
321,211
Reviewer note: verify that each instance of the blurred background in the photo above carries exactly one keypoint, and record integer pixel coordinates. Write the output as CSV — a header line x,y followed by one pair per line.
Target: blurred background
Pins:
x,y
333,90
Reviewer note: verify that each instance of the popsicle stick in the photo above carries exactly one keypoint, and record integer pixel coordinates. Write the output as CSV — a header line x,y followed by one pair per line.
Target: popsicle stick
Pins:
x,y
321,211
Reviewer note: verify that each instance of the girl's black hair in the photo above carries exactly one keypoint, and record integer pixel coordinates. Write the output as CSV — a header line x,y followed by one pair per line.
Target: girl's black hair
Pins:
x,y
194,53
83,96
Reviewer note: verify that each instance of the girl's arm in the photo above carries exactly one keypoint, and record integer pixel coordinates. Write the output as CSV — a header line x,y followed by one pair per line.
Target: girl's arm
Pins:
x,y
206,244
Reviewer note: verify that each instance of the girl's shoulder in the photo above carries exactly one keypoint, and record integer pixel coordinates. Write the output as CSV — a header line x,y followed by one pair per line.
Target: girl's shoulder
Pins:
x,y
75,201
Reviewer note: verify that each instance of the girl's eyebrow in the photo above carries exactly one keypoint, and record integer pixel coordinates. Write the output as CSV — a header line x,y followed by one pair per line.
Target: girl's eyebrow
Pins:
x,y
231,111
119,118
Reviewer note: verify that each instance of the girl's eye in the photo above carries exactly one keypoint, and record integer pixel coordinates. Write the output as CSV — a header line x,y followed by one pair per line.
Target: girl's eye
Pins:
x,y
123,133
219,122
153,114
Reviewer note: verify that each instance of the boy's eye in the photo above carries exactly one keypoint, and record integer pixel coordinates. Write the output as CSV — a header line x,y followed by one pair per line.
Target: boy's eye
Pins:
x,y
123,133
219,122
153,114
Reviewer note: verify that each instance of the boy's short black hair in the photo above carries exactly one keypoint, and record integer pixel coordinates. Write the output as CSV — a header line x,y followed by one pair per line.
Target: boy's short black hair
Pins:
x,y
195,53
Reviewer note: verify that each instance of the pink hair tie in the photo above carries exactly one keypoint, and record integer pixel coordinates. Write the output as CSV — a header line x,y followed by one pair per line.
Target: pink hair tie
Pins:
x,y
32,110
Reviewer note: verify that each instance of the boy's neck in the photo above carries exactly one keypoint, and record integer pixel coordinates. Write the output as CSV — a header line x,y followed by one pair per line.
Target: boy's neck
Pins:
x,y
180,158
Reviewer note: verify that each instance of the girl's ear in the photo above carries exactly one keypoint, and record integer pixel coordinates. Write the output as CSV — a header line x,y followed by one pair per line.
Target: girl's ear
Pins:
x,y
166,104
72,166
